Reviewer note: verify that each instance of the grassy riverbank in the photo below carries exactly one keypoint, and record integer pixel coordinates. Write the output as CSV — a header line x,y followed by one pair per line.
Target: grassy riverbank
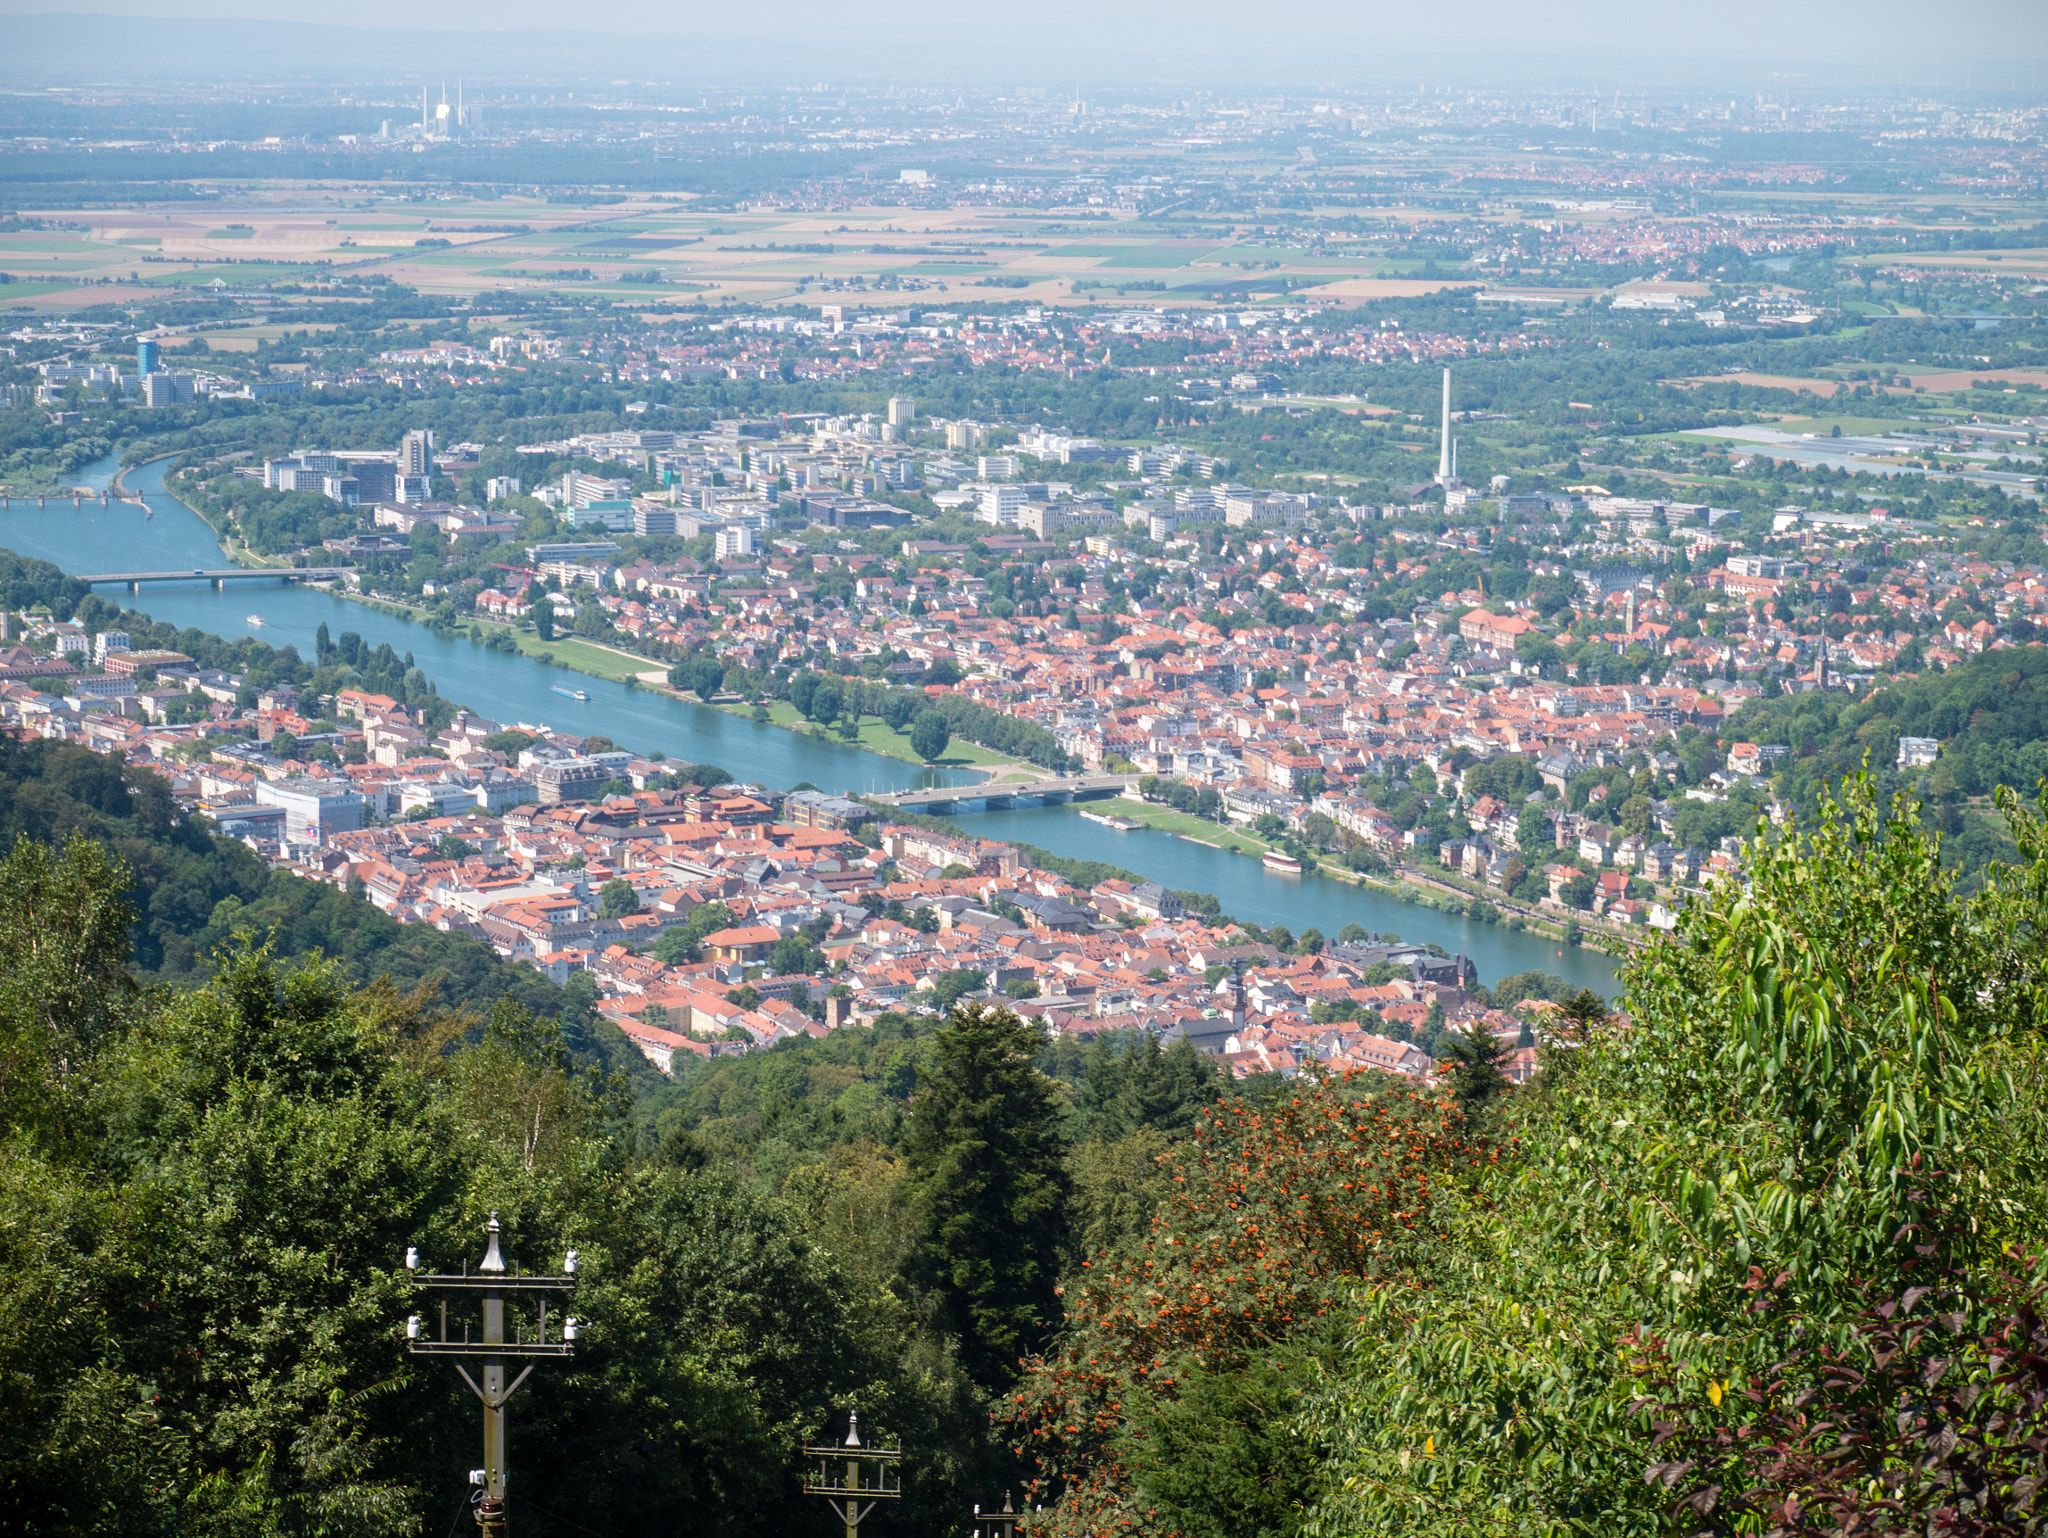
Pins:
x,y
1185,824
581,655
876,736
1421,888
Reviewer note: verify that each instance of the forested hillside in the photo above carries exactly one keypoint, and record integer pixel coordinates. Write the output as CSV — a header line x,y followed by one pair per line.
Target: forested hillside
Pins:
x,y
1758,1256
209,1173
193,891
1990,716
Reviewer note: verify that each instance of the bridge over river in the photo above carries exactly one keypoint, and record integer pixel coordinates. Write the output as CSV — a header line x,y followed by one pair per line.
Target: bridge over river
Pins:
x,y
1049,792
221,577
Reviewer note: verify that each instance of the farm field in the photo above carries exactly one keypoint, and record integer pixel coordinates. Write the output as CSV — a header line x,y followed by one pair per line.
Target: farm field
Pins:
x,y
663,249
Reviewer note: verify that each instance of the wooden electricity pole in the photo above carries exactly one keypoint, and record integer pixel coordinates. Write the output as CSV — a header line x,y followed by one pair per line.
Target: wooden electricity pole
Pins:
x,y
491,1283
840,1476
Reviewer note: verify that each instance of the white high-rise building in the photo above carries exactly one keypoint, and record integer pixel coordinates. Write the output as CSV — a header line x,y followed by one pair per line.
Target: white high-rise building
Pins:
x,y
1000,504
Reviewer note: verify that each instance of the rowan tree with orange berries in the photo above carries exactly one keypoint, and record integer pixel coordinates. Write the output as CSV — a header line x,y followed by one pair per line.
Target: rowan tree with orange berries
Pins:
x,y
1168,1397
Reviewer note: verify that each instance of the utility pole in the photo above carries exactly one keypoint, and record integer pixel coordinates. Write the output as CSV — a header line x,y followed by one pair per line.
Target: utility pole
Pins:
x,y
838,1473
491,1283
998,1524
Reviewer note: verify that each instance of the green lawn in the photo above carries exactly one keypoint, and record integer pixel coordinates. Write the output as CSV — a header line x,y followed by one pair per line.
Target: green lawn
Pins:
x,y
1167,820
569,652
876,737
19,292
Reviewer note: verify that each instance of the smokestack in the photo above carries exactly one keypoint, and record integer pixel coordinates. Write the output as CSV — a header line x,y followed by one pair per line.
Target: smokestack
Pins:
x,y
1443,463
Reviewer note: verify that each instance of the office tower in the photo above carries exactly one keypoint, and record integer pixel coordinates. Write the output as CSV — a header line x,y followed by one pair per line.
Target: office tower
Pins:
x,y
1443,462
376,479
145,356
416,452
902,411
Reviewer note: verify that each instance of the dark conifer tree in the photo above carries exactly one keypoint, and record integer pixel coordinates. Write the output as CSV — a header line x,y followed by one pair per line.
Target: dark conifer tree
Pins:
x,y
989,1179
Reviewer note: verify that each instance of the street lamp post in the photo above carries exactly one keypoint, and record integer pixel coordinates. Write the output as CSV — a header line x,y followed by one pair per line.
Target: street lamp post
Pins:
x,y
492,1282
840,1477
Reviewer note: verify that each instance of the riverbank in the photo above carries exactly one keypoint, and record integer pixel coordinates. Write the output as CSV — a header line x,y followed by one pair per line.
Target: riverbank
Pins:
x,y
877,736
576,653
583,655
119,482
1403,886
222,537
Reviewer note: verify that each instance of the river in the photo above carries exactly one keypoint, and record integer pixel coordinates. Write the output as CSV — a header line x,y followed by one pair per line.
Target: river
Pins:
x,y
509,688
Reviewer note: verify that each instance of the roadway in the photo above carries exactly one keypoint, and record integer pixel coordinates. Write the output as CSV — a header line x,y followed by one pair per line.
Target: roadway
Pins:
x,y
220,577
1069,788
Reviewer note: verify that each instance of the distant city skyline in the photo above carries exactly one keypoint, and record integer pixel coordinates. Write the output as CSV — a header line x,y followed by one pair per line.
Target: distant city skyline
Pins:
x,y
1998,44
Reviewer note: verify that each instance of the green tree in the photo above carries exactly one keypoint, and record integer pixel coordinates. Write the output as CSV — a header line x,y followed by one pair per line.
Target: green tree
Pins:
x,y
1635,815
1696,1238
65,991
617,898
1128,1082
1473,1057
899,709
702,675
929,735
988,1177
794,955
204,1193
1432,1026
953,985
683,944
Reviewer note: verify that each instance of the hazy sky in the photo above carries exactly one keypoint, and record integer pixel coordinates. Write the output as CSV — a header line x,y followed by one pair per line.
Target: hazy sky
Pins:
x,y
1996,41
1995,27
